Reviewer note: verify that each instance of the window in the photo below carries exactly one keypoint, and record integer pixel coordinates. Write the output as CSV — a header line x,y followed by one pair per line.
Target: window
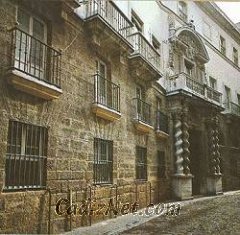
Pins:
x,y
161,164
212,83
156,44
137,22
222,45
101,83
182,9
189,67
30,50
207,30
140,98
235,56
141,163
103,161
140,93
159,104
26,156
238,97
228,97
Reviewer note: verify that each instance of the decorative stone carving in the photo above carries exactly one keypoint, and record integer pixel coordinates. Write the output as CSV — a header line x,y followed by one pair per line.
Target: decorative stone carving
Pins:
x,y
171,25
178,144
192,49
214,164
186,143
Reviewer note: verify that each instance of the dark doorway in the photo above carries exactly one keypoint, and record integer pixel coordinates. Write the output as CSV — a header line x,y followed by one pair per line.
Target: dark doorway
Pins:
x,y
195,139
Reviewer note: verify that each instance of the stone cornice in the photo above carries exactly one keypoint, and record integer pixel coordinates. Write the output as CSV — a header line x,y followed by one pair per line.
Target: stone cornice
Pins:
x,y
220,18
219,53
166,9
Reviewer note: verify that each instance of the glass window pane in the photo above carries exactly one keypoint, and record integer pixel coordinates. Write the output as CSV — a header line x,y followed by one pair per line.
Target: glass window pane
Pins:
x,y
24,165
38,29
24,20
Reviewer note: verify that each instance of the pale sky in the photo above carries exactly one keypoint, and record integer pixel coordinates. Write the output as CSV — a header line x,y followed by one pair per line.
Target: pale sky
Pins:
x,y
231,9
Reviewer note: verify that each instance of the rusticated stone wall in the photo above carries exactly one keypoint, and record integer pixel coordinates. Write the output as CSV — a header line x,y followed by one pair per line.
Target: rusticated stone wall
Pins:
x,y
73,127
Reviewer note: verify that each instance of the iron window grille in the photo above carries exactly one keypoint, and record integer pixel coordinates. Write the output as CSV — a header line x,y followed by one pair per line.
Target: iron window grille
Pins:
x,y
141,163
30,53
103,161
33,57
162,122
235,56
26,156
143,111
106,93
222,45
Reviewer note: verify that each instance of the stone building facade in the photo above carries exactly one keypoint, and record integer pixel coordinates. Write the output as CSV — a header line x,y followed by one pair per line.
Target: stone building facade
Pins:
x,y
104,105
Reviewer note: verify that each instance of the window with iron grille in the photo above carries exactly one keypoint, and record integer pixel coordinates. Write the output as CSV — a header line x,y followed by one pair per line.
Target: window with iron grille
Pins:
x,y
26,156
103,161
141,163
213,83
161,164
223,45
235,56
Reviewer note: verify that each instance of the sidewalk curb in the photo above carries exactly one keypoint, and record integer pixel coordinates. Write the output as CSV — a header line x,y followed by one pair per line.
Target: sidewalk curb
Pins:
x,y
126,222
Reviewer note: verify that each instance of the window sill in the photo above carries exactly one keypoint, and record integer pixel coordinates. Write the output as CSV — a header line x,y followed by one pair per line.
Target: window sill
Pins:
x,y
33,86
102,185
22,190
140,181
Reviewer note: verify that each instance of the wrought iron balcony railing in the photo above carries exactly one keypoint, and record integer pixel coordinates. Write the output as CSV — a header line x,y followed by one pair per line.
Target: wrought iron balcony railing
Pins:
x,y
183,81
106,93
109,12
143,111
145,49
232,108
195,86
213,94
33,57
162,122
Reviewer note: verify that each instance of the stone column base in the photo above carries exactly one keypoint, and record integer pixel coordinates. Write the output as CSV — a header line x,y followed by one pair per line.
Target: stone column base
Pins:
x,y
214,185
182,187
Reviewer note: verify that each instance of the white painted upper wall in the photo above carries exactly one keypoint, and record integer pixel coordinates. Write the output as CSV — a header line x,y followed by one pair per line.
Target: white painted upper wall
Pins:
x,y
218,67
155,19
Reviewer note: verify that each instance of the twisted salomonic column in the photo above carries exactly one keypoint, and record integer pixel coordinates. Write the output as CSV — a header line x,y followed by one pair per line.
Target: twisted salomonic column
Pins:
x,y
178,144
217,153
186,143
212,163
214,147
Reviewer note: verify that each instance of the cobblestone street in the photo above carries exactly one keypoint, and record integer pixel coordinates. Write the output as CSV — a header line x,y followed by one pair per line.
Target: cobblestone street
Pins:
x,y
215,216
200,216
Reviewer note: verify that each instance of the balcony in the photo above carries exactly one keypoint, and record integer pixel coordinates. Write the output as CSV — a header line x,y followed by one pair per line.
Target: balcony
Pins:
x,y
184,83
142,119
35,66
145,59
106,99
232,108
162,125
108,26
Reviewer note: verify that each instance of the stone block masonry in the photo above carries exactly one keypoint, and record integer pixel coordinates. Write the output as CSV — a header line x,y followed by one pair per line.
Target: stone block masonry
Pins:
x,y
72,128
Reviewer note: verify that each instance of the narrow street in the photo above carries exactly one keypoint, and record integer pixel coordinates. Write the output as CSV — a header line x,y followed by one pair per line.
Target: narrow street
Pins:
x,y
200,216
219,215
